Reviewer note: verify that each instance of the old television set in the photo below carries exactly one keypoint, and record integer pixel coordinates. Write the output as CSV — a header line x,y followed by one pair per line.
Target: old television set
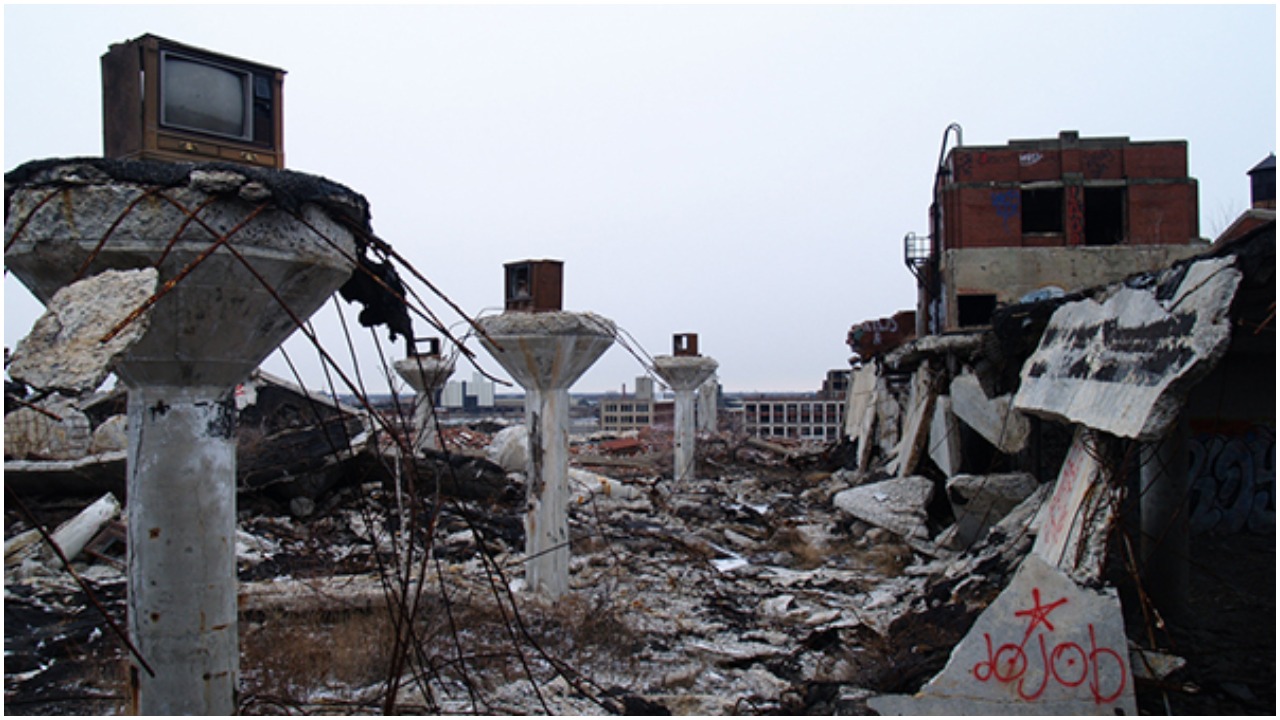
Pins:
x,y
534,285
162,100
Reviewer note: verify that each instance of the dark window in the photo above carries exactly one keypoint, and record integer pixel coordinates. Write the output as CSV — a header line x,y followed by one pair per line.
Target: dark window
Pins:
x,y
975,310
1042,210
1104,216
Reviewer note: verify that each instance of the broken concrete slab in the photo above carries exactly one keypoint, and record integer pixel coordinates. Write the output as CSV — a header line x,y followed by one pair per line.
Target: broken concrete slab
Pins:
x,y
993,418
72,535
1072,534
111,436
1046,646
860,411
56,431
509,448
981,501
944,438
897,505
64,349
1125,365
915,429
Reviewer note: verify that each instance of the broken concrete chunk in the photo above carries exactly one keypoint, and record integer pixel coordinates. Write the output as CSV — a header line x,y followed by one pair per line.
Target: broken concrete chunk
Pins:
x,y
64,349
897,505
915,430
1073,523
61,432
509,449
1153,664
860,410
1126,365
1045,646
216,182
944,438
993,418
981,501
888,419
72,535
111,436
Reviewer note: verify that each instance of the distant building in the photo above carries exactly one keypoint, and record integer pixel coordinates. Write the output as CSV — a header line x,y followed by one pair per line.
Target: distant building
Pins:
x,y
807,416
468,395
1048,216
621,412
835,385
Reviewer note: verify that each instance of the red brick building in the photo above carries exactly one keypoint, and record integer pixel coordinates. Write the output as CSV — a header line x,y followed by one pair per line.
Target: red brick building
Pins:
x,y
1046,216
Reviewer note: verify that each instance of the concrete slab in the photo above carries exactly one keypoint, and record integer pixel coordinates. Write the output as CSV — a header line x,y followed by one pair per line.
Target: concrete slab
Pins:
x,y
915,430
981,501
1071,525
860,411
993,418
1046,646
897,505
64,349
1125,365
944,438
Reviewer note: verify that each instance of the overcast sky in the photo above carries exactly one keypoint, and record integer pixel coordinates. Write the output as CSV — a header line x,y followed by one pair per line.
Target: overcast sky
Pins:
x,y
743,172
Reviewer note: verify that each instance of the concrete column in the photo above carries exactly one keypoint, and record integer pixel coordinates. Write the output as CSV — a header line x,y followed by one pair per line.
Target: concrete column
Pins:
x,y
426,374
1166,526
546,353
546,523
684,373
708,399
223,312
182,549
684,438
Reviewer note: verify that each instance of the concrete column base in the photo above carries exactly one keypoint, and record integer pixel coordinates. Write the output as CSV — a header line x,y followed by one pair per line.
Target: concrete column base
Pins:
x,y
182,550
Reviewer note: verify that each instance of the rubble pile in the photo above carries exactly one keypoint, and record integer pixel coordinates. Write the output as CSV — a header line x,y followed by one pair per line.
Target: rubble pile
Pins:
x,y
964,549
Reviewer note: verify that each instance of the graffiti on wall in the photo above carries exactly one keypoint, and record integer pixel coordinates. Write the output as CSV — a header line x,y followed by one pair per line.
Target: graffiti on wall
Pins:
x,y
1096,163
1007,204
1233,482
1075,213
1028,159
1031,666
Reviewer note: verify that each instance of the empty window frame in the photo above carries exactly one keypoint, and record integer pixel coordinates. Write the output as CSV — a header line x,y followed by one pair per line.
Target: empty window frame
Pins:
x,y
975,310
1104,215
1042,210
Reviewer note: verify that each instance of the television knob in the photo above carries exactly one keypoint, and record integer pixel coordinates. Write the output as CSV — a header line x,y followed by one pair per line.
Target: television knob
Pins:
x,y
189,147
251,157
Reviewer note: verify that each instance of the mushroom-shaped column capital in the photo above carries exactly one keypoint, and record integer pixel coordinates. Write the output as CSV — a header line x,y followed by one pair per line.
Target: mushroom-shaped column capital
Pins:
x,y
425,373
548,350
684,372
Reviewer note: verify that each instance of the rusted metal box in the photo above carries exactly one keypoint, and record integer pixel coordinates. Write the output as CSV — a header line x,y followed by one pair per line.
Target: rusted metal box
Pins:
x,y
534,285
684,344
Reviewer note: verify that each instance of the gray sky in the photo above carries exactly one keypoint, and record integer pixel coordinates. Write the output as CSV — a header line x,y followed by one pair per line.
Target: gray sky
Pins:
x,y
743,172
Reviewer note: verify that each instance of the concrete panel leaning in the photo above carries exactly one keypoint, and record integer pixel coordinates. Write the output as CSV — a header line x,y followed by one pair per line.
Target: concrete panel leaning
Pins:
x,y
1045,646
1125,365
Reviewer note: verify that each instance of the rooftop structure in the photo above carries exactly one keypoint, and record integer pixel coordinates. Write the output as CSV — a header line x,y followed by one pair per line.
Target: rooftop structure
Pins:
x,y
1047,216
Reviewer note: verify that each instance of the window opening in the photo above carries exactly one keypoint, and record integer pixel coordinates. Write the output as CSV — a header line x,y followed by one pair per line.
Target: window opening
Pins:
x,y
1042,210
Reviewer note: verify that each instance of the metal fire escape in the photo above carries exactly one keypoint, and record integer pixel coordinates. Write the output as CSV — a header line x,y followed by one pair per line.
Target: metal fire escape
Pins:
x,y
918,249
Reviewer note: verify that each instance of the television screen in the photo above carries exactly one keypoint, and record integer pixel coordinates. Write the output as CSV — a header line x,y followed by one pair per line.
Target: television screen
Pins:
x,y
205,97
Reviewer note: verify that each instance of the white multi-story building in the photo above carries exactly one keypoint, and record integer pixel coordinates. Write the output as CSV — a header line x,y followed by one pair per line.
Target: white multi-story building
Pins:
x,y
802,417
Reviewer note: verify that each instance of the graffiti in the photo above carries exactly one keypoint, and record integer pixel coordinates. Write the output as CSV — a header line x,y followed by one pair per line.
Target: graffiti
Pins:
x,y
1096,163
964,163
872,336
1067,663
1233,483
1030,158
1075,214
1007,204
